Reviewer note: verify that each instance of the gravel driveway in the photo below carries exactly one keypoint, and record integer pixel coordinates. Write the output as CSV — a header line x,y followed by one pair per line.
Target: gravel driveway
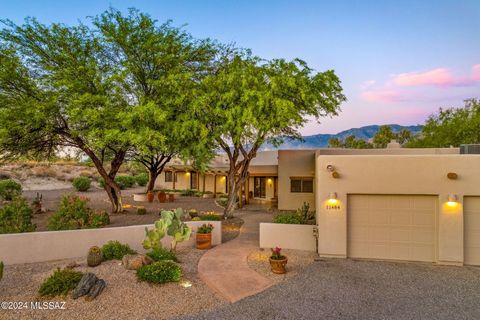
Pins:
x,y
348,289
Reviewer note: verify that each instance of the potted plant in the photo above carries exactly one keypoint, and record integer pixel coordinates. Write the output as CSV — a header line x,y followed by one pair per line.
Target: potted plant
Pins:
x,y
278,261
204,236
193,213
150,196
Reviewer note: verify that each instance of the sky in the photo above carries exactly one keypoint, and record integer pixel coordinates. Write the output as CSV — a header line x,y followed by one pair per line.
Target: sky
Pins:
x,y
399,61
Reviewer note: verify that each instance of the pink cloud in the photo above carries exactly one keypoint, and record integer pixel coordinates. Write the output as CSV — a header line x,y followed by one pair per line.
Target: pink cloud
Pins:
x,y
436,77
382,96
476,72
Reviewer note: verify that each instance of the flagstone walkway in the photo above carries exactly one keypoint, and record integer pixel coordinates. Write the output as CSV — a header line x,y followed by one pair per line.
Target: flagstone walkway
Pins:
x,y
225,269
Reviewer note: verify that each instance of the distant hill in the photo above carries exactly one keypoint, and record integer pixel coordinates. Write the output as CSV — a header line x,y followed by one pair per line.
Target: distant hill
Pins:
x,y
321,140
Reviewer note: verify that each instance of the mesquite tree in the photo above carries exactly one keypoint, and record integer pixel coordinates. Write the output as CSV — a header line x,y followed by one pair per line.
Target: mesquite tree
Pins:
x,y
246,101
58,89
162,67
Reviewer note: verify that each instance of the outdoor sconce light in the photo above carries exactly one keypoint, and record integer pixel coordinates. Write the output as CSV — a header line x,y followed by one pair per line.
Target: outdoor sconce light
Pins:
x,y
330,168
335,175
332,198
452,176
452,200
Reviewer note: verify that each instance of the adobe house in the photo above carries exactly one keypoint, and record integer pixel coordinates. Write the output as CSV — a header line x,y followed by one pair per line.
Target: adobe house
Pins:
x,y
394,203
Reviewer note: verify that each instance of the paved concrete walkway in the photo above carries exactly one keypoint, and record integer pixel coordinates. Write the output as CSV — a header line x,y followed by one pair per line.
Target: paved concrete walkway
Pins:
x,y
225,269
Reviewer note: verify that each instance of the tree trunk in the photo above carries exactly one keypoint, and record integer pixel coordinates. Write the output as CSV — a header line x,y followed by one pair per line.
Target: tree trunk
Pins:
x,y
152,178
115,195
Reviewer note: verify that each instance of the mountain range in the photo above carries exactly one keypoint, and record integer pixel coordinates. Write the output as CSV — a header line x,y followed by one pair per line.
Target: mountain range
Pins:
x,y
321,140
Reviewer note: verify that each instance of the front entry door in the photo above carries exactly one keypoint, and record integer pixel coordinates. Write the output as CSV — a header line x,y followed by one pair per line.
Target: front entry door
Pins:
x,y
259,190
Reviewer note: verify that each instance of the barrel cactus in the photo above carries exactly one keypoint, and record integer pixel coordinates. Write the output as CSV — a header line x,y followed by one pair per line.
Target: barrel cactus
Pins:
x,y
95,256
1,270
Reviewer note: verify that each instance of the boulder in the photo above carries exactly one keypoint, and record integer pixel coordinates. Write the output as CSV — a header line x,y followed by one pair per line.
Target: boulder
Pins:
x,y
135,261
86,283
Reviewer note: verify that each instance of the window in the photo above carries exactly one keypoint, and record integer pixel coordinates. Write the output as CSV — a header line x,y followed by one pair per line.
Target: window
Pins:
x,y
304,185
193,180
259,187
169,176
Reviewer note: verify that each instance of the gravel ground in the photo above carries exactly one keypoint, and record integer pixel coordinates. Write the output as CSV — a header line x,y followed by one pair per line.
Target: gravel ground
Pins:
x,y
124,298
298,260
348,289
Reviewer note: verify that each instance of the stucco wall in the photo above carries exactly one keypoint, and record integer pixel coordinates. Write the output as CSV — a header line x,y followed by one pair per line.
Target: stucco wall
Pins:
x,y
54,245
300,237
396,174
295,163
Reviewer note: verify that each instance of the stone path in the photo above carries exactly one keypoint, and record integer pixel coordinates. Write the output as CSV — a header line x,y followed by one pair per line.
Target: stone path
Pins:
x,y
225,269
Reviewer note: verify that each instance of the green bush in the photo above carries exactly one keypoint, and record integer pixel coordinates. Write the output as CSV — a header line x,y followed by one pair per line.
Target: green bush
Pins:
x,y
288,218
160,272
74,213
9,189
125,182
81,183
16,217
60,283
189,193
210,217
141,179
114,250
159,254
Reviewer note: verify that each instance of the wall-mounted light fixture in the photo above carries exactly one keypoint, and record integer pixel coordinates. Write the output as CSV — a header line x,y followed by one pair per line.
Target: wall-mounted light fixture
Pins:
x,y
335,175
332,198
330,168
452,176
452,200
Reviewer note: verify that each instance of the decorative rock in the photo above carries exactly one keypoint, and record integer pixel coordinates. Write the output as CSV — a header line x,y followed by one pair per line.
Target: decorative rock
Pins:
x,y
96,290
135,261
86,283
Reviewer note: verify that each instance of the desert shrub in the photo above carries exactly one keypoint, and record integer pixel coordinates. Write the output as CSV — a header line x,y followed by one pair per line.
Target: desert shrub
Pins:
x,y
141,211
60,283
210,217
114,250
86,173
159,254
188,193
9,189
81,183
160,272
16,217
288,218
125,182
141,179
74,213
45,172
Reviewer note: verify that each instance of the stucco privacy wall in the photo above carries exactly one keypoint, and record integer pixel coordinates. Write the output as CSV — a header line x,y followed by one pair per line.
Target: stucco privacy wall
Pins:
x,y
54,245
300,237
396,175
295,163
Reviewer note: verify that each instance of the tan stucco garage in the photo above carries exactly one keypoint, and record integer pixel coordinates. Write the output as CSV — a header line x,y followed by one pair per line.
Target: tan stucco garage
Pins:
x,y
471,212
398,227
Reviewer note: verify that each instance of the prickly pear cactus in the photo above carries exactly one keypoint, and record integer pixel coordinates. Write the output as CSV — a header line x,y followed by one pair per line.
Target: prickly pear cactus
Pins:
x,y
95,256
170,224
153,238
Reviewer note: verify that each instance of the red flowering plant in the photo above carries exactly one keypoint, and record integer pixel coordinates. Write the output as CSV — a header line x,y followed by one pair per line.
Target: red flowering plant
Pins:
x,y
277,254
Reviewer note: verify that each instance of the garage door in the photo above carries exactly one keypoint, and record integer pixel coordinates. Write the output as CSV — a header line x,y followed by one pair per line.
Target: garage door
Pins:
x,y
471,215
398,227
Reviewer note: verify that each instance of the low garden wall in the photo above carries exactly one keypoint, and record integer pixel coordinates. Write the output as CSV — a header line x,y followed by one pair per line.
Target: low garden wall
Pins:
x,y
54,245
287,236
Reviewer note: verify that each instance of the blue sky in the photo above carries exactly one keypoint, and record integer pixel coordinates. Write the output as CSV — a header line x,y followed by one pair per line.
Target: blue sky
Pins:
x,y
399,61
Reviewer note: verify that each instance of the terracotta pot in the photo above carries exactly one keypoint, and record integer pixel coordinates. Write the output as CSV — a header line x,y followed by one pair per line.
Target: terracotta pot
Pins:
x,y
150,196
278,266
204,241
162,197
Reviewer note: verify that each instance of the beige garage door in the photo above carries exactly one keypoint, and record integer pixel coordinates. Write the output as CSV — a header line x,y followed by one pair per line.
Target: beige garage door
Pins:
x,y
471,215
398,227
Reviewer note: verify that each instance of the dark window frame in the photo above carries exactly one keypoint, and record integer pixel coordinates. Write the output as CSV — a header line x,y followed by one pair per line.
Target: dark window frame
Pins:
x,y
172,176
301,186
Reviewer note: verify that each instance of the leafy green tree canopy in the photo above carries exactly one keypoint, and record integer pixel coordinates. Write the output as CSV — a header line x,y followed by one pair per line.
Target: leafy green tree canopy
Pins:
x,y
247,101
451,127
